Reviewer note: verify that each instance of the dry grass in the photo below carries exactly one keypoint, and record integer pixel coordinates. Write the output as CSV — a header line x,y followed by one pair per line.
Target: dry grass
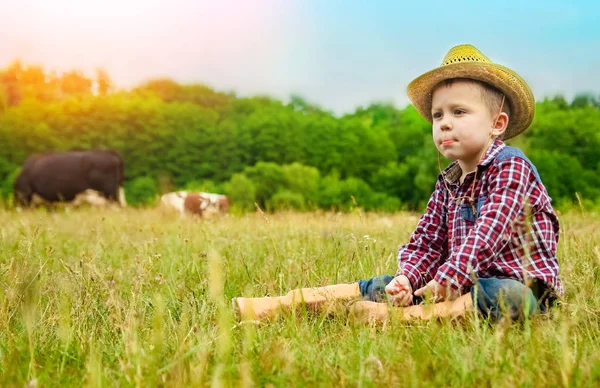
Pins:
x,y
141,298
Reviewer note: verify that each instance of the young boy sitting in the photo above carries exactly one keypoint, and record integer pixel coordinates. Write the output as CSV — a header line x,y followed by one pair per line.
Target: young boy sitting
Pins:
x,y
488,238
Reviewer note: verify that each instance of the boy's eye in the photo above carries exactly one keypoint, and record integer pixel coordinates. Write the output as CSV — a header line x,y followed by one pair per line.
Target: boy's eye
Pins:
x,y
458,111
437,115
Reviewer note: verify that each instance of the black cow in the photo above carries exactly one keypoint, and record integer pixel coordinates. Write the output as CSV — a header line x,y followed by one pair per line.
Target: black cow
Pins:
x,y
60,176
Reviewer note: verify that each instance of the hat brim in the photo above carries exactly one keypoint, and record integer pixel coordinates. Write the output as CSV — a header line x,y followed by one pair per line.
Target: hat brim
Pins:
x,y
518,93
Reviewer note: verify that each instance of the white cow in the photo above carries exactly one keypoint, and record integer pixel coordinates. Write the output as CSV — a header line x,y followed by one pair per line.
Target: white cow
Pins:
x,y
200,204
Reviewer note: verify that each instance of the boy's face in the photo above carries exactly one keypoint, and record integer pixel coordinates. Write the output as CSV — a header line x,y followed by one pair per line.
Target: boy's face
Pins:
x,y
462,123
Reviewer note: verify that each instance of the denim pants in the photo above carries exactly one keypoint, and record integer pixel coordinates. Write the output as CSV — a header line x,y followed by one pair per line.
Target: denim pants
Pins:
x,y
493,297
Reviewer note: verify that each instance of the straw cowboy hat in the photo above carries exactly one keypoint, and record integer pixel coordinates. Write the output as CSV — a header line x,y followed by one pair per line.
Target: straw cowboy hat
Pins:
x,y
465,61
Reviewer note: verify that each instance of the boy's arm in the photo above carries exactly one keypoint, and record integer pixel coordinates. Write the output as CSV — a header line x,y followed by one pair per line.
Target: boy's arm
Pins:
x,y
427,243
507,189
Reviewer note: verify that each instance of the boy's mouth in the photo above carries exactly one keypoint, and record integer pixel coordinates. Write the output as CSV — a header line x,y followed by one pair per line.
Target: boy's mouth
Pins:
x,y
448,142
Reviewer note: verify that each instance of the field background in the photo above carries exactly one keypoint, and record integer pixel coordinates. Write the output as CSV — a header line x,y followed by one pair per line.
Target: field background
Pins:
x,y
142,298
299,107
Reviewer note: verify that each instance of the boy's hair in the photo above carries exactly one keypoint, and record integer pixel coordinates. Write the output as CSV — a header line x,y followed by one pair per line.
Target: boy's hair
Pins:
x,y
491,96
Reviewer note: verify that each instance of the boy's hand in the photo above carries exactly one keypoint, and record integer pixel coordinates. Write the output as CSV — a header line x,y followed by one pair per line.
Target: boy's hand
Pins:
x,y
437,292
400,291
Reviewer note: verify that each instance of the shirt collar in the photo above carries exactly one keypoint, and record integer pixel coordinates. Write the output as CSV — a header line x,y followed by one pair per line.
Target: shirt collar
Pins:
x,y
453,172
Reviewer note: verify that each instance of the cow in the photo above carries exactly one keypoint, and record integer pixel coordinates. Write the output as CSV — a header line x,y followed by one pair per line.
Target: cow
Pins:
x,y
92,198
199,204
88,198
219,201
62,176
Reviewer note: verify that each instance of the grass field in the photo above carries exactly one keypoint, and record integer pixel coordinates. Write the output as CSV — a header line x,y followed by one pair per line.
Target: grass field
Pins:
x,y
142,298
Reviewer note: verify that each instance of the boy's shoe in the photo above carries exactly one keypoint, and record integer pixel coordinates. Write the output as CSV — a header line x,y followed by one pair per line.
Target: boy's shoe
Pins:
x,y
313,298
256,308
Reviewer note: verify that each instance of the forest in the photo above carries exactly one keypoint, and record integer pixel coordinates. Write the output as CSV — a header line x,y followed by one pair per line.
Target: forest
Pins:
x,y
280,155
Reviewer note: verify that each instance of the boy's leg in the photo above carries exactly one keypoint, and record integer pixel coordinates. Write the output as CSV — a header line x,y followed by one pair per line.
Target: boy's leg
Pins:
x,y
494,298
314,298
374,288
499,298
366,311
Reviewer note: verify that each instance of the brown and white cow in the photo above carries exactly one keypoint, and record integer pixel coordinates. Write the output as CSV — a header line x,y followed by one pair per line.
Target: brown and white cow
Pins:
x,y
219,202
200,204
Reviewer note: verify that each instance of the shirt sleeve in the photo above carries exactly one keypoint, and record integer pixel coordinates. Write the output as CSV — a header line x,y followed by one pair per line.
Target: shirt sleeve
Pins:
x,y
507,188
419,259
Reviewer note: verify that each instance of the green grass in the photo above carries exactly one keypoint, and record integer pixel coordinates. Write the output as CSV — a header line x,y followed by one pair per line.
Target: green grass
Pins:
x,y
142,298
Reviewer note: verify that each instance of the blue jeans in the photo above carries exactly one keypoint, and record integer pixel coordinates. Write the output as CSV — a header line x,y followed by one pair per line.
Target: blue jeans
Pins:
x,y
493,297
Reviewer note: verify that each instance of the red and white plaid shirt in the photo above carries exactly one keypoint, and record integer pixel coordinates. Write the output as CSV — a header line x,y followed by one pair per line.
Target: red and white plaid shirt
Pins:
x,y
513,235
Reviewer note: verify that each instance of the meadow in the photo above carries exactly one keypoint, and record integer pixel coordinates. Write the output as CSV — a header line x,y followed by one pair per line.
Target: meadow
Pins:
x,y
143,298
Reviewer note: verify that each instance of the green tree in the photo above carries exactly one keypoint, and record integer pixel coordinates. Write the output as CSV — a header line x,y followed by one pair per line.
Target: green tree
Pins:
x,y
286,200
303,180
584,100
141,191
241,192
103,82
268,178
281,154
74,83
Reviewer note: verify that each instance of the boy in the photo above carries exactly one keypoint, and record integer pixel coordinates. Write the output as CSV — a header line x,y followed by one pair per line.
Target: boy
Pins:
x,y
488,238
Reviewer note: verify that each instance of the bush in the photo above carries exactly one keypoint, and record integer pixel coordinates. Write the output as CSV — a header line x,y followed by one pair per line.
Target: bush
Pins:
x,y
241,192
207,186
286,200
356,192
346,194
267,178
8,184
385,203
329,194
141,191
303,180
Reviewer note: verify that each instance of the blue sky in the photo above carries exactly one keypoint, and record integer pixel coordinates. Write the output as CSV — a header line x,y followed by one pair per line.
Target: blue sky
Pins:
x,y
338,54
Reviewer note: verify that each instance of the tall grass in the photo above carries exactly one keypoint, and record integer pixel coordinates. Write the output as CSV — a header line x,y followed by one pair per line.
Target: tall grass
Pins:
x,y
142,298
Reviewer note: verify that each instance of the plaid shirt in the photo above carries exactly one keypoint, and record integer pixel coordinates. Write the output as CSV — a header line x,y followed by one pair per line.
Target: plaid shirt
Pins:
x,y
513,234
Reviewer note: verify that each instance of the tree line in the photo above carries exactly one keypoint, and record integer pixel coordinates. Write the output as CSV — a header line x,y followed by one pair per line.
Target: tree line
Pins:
x,y
280,155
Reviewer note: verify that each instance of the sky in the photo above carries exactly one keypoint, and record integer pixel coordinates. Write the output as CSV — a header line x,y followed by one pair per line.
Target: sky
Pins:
x,y
338,54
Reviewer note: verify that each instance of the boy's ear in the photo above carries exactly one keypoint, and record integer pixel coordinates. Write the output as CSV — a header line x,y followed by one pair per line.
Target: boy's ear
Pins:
x,y
500,125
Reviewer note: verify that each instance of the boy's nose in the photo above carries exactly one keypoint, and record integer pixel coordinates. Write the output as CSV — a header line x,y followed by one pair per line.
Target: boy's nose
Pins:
x,y
445,125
